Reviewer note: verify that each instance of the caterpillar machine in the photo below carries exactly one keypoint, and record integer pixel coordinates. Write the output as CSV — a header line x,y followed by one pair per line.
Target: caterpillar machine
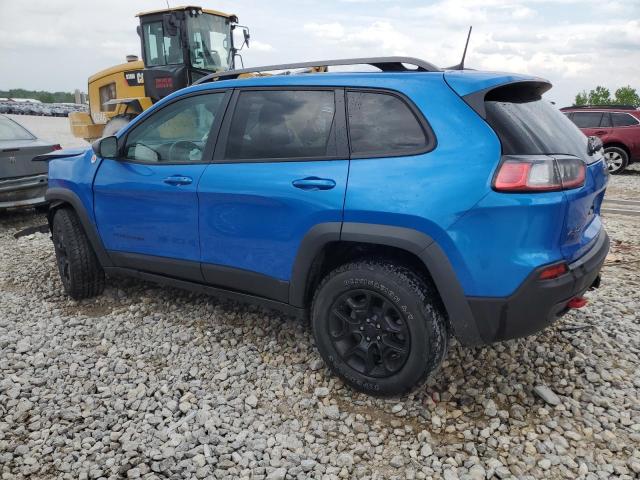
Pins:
x,y
179,46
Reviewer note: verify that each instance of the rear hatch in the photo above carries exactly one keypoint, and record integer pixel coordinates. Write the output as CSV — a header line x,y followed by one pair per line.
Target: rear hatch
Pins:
x,y
528,125
16,156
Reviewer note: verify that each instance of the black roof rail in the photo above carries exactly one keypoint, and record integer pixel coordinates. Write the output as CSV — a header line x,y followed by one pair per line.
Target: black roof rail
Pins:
x,y
386,64
601,107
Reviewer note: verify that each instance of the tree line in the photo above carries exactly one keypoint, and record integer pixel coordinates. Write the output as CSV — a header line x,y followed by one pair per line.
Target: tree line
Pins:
x,y
43,96
602,96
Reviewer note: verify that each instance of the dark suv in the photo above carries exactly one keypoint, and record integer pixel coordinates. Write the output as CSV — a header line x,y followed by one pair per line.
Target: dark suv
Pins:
x,y
396,208
618,127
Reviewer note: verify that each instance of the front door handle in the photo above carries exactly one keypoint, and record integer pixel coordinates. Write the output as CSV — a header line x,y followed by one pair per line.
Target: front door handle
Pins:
x,y
178,180
314,183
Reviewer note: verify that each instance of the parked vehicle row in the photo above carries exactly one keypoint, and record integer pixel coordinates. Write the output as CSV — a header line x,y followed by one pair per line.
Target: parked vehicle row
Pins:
x,y
396,208
41,109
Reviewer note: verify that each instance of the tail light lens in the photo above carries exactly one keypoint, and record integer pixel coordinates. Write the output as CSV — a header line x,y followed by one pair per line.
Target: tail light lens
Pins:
x,y
57,147
538,174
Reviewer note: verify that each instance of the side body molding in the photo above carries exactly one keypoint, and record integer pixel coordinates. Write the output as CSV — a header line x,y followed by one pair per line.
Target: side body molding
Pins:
x,y
60,196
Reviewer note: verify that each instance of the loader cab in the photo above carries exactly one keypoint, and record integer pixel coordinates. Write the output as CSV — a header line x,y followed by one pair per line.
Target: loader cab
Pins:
x,y
181,45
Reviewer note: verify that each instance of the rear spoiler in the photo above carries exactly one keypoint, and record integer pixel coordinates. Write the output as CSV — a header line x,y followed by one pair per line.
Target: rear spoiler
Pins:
x,y
513,92
474,87
67,152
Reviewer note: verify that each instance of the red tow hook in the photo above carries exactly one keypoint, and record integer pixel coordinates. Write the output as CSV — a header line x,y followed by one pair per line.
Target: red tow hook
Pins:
x,y
577,302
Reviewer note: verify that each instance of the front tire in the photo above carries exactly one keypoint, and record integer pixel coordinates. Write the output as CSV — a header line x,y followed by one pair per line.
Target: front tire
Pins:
x,y
378,327
81,274
616,158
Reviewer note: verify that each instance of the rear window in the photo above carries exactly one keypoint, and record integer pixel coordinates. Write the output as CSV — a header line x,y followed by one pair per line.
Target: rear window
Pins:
x,y
10,130
283,124
623,120
587,119
528,125
382,124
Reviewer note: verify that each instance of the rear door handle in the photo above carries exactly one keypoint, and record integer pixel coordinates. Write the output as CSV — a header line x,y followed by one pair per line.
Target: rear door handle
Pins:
x,y
178,180
601,132
314,183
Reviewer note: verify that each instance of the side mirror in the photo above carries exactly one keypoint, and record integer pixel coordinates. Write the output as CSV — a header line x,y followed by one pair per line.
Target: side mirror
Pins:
x,y
106,147
169,24
247,36
593,145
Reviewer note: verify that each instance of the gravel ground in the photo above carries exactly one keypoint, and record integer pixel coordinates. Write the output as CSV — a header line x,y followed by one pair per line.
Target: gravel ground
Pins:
x,y
152,382
625,185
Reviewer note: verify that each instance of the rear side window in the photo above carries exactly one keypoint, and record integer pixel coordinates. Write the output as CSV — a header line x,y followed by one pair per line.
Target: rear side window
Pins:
x,y
623,120
528,125
282,124
382,124
587,119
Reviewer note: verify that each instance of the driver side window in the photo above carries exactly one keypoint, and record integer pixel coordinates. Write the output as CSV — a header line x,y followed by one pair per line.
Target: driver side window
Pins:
x,y
177,133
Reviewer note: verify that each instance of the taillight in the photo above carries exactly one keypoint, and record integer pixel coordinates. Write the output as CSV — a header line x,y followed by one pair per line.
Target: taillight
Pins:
x,y
57,147
538,174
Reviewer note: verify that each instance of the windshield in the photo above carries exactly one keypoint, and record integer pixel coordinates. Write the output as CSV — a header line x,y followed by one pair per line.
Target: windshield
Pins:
x,y
532,126
10,130
210,42
160,48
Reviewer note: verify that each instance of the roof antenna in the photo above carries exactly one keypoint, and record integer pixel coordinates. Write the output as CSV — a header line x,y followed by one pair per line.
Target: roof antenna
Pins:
x,y
460,66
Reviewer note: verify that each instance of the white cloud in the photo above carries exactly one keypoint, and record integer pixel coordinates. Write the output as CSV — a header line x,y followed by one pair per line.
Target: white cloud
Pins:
x,y
260,46
380,35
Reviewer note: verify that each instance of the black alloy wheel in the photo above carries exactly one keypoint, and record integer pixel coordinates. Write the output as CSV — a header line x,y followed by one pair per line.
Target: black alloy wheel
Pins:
x,y
369,333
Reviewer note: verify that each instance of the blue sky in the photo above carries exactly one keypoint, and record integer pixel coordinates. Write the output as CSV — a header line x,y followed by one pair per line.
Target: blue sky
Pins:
x,y
577,44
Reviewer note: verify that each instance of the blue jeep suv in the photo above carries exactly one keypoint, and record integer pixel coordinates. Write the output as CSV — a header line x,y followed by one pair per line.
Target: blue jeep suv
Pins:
x,y
397,209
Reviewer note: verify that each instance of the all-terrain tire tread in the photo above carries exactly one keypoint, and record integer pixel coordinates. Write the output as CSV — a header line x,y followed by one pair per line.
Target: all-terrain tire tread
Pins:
x,y
430,309
87,277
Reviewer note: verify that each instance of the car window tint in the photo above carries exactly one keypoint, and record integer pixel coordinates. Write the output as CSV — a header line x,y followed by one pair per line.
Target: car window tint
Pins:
x,y
623,120
10,130
587,119
380,123
281,124
177,133
606,121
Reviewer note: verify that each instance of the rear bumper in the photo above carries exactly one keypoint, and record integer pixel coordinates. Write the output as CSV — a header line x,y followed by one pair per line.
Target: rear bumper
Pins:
x,y
537,303
23,191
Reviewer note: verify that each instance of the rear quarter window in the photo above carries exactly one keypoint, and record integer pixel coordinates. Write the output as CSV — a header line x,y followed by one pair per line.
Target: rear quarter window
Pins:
x,y
382,124
623,120
587,119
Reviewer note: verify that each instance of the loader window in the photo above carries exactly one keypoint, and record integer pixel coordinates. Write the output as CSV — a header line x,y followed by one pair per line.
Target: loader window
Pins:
x,y
177,133
161,49
209,42
107,92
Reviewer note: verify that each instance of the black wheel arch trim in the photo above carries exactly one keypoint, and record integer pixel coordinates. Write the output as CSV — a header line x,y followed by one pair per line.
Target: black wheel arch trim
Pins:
x,y
422,245
59,197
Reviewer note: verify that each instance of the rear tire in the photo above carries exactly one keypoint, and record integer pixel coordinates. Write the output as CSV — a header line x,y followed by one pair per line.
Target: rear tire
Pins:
x,y
81,274
378,327
617,159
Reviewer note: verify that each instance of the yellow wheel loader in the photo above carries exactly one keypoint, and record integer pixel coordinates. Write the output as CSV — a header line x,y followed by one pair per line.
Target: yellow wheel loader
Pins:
x,y
179,46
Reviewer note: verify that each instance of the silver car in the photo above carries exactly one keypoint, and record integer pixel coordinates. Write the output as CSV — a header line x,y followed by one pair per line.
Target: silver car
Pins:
x,y
22,182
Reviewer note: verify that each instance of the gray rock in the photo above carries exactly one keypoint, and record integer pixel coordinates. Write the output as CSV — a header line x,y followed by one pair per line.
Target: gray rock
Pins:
x,y
546,394
277,474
